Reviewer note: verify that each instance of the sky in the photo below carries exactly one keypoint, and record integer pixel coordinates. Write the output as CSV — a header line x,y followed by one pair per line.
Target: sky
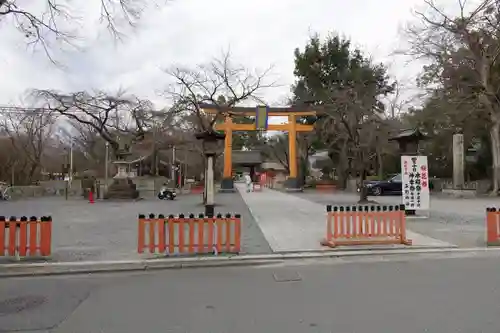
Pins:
x,y
258,34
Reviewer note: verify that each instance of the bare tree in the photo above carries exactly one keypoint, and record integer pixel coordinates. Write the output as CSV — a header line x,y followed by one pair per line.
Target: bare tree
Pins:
x,y
9,159
30,133
276,148
396,102
467,39
115,118
220,83
358,125
54,20
89,148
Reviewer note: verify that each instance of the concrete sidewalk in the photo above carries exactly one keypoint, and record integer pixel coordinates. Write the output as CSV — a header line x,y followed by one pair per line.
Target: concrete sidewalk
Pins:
x,y
290,223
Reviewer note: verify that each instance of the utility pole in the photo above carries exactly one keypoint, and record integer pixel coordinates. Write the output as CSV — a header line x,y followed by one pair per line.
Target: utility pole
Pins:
x,y
185,166
106,166
71,162
154,162
173,165
13,175
66,172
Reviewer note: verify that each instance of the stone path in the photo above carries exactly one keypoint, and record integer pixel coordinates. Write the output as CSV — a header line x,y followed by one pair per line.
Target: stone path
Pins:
x,y
291,223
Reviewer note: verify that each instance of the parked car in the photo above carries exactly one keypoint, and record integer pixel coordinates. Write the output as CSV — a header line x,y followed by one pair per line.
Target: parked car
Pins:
x,y
392,185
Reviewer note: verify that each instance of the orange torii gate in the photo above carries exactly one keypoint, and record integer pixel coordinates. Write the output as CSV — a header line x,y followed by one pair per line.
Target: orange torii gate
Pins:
x,y
261,114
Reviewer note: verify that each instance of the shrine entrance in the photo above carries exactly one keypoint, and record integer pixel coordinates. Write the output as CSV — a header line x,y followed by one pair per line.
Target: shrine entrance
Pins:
x,y
261,123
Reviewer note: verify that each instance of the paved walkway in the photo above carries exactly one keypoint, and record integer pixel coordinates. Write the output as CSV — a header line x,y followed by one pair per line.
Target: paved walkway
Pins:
x,y
290,223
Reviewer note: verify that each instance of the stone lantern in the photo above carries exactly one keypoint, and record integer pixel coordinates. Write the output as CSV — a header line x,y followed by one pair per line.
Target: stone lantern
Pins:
x,y
122,187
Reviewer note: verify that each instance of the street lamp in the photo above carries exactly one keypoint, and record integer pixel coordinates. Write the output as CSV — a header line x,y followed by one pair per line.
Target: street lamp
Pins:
x,y
210,147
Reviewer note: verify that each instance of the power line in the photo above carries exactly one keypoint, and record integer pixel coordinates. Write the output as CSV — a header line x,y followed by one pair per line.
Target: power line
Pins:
x,y
21,109
32,110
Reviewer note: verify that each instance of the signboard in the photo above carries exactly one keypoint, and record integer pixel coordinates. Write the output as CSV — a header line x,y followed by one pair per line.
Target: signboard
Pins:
x,y
261,117
415,177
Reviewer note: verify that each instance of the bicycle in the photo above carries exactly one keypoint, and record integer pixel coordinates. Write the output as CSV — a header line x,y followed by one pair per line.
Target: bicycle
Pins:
x,y
5,195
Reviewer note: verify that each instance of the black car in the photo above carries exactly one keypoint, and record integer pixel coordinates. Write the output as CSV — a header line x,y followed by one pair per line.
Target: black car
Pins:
x,y
393,185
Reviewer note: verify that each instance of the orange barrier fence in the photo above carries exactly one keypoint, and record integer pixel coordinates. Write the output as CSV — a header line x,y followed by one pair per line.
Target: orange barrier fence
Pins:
x,y
492,227
26,236
365,225
190,235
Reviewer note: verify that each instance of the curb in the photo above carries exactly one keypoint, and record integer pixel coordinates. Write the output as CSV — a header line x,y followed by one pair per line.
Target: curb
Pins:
x,y
86,267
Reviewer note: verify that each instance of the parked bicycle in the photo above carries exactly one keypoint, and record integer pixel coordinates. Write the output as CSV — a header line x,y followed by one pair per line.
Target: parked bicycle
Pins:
x,y
5,192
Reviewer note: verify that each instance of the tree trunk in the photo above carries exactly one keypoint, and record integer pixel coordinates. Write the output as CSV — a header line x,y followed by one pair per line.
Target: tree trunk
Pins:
x,y
495,153
342,171
339,162
302,172
380,165
363,193
31,172
342,178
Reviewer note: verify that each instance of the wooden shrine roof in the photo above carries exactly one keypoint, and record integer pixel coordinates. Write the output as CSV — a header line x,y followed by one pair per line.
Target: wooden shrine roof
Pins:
x,y
408,134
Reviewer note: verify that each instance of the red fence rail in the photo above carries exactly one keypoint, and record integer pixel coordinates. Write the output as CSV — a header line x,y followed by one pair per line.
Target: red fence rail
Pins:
x,y
492,227
189,235
25,236
365,225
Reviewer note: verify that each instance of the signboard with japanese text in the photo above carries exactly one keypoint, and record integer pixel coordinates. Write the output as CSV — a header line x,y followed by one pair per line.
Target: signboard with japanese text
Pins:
x,y
415,177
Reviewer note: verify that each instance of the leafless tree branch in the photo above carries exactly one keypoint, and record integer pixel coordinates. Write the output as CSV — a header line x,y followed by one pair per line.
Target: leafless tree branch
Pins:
x,y
58,23
115,118
220,83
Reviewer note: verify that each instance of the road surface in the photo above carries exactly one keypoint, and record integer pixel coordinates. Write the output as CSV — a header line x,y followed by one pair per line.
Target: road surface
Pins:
x,y
377,295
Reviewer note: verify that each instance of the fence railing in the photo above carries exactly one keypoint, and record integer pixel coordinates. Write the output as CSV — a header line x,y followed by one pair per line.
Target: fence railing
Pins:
x,y
492,226
365,225
25,236
189,234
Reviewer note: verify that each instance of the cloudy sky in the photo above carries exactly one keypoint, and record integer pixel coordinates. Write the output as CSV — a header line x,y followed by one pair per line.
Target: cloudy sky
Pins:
x,y
187,32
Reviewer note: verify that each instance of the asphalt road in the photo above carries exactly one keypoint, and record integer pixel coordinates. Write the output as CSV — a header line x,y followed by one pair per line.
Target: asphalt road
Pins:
x,y
376,295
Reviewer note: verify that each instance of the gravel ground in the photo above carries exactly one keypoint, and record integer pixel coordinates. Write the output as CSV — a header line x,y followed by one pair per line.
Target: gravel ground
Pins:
x,y
107,230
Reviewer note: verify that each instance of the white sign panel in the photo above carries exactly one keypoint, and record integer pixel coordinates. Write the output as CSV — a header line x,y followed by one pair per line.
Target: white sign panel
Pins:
x,y
415,177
